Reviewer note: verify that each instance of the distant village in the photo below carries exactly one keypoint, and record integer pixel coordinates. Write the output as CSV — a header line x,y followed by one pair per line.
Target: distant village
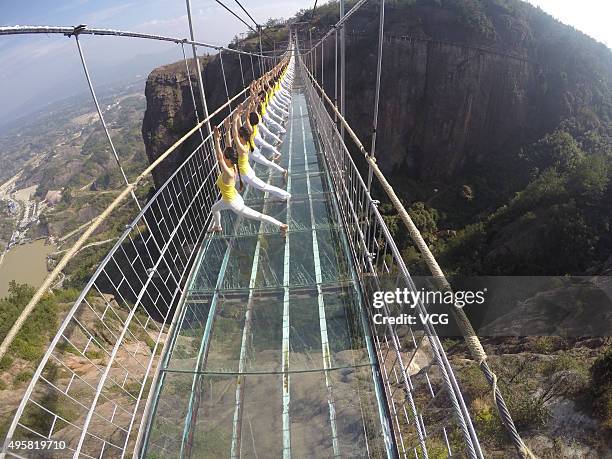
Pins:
x,y
25,209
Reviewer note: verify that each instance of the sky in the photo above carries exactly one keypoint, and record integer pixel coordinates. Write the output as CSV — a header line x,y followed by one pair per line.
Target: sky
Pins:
x,y
589,16
35,70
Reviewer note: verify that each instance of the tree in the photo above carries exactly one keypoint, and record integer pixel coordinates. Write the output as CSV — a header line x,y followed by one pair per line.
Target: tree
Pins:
x,y
67,195
426,219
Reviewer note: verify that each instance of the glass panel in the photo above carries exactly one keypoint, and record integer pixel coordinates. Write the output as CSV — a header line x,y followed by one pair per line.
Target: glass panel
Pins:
x,y
187,343
228,262
355,415
299,185
245,331
298,161
246,413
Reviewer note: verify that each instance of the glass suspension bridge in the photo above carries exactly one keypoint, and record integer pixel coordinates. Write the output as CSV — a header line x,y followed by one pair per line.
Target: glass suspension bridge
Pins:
x,y
248,344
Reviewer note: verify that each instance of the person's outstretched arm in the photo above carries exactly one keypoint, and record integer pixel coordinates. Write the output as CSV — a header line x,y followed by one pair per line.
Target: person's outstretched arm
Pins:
x,y
228,135
248,121
219,152
242,149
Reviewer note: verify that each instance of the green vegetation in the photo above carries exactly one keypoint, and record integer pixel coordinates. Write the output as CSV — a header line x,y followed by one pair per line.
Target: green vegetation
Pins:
x,y
559,223
601,388
22,377
540,204
31,341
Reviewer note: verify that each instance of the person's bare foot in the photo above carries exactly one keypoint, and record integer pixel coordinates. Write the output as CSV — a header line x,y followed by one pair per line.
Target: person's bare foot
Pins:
x,y
214,229
285,175
283,230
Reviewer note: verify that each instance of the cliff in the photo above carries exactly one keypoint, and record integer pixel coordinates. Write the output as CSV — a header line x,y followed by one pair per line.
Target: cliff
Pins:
x,y
463,83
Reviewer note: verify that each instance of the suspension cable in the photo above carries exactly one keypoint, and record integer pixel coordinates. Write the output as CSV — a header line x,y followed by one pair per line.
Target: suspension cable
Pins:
x,y
101,116
252,67
381,31
84,30
195,106
241,73
344,17
313,10
251,18
235,15
198,68
225,81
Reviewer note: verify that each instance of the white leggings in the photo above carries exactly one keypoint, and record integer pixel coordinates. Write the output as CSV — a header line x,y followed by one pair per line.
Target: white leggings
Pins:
x,y
256,182
275,112
268,133
282,98
262,145
272,112
273,125
237,206
278,107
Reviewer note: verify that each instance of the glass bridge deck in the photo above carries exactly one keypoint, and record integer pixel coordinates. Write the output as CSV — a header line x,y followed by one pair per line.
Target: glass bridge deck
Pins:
x,y
270,355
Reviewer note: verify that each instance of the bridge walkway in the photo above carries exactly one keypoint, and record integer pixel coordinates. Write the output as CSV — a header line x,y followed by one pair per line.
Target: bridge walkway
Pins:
x,y
271,356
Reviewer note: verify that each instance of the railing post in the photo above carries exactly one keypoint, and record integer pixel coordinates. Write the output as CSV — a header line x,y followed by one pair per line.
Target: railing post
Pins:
x,y
261,64
229,104
336,73
322,57
342,66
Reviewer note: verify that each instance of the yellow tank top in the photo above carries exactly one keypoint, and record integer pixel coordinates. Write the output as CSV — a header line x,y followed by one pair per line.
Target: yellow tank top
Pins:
x,y
228,190
243,163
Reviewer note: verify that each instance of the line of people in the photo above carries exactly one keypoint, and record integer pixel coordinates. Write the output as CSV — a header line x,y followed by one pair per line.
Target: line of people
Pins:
x,y
255,127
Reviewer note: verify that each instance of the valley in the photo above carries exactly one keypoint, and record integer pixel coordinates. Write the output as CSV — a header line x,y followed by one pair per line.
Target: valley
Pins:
x,y
58,173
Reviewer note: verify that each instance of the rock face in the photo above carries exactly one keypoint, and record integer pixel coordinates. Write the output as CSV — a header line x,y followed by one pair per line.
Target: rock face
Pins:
x,y
455,91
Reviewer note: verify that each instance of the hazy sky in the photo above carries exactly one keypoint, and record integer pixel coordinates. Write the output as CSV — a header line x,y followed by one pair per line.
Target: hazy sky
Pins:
x,y
35,69
592,17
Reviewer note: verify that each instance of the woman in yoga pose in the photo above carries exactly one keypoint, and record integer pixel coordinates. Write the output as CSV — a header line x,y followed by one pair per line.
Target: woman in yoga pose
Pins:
x,y
245,145
230,198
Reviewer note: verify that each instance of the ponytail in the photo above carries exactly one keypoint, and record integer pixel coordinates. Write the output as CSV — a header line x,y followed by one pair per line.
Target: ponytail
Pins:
x,y
241,186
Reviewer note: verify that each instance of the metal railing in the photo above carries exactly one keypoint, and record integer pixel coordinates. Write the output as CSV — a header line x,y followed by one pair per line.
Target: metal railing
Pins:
x,y
427,407
86,397
88,389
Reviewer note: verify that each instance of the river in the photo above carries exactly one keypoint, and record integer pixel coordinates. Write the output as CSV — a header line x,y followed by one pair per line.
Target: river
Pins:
x,y
25,263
